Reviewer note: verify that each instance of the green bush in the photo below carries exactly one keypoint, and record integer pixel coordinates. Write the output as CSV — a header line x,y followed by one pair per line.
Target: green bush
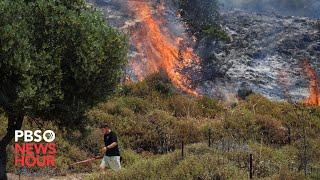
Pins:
x,y
184,106
199,163
216,32
209,107
151,126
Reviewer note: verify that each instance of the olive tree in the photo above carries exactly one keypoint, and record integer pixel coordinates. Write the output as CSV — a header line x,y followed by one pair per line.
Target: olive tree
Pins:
x,y
57,59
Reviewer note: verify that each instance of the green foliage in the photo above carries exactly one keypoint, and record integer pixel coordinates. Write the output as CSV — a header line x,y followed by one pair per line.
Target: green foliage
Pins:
x,y
157,84
182,106
209,106
129,157
151,126
216,32
196,165
57,58
160,83
202,18
155,130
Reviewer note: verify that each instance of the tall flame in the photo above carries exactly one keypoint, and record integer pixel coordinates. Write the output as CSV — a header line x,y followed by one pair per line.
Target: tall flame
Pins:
x,y
159,48
314,97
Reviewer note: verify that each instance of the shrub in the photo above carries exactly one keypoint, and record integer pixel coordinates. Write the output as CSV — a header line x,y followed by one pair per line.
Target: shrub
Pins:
x,y
216,32
129,157
286,174
271,130
209,107
200,163
135,104
183,106
155,83
160,83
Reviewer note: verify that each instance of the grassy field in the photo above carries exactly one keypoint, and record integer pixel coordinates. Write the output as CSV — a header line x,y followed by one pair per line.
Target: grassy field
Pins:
x,y
152,119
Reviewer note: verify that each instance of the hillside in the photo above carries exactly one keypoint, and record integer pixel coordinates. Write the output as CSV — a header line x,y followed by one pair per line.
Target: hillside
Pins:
x,y
152,119
219,52
194,89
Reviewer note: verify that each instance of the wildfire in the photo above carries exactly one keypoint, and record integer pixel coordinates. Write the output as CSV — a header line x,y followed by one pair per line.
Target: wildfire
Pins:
x,y
314,97
158,47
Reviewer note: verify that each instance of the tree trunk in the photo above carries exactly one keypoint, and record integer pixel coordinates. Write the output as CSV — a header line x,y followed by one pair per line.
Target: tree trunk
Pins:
x,y
3,163
14,123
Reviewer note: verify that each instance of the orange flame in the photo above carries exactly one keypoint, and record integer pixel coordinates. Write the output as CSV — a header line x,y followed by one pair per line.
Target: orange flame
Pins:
x,y
161,50
314,97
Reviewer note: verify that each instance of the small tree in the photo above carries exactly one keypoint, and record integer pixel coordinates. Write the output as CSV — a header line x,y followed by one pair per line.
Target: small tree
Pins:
x,y
200,15
57,58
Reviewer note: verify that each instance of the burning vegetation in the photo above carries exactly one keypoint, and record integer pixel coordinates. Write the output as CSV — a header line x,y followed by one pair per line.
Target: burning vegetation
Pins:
x,y
170,36
314,97
159,47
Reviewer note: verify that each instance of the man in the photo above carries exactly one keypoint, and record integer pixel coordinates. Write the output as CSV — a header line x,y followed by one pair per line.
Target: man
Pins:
x,y
111,152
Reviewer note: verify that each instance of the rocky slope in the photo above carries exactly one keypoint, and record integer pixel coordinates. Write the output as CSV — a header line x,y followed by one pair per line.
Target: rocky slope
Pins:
x,y
264,54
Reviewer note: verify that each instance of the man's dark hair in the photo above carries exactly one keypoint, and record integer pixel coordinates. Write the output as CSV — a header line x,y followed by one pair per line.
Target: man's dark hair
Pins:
x,y
104,125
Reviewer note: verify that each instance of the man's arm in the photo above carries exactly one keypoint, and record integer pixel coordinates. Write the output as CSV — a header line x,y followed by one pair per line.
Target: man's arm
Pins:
x,y
112,145
114,140
106,148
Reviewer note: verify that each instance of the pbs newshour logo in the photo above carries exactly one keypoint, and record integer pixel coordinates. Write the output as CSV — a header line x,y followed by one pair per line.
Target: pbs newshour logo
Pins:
x,y
35,136
35,148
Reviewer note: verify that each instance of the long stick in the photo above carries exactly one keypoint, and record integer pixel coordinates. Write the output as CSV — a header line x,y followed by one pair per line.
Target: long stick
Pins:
x,y
87,160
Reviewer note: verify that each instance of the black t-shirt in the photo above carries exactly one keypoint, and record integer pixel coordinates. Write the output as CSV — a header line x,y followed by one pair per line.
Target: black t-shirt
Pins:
x,y
109,139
